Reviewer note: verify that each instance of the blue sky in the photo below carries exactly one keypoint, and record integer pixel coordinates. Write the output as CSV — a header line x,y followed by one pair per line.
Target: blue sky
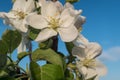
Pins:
x,y
102,26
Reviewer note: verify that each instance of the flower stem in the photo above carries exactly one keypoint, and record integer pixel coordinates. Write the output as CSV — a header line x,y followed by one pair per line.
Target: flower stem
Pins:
x,y
55,43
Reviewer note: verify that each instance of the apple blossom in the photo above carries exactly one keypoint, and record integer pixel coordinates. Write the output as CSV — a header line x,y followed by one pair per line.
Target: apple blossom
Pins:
x,y
53,21
87,65
16,17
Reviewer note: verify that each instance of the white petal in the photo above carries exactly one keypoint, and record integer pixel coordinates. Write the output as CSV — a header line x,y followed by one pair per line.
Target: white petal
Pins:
x,y
2,14
19,5
36,21
91,72
82,69
66,19
50,10
19,25
7,15
30,6
101,69
80,20
45,34
93,50
68,34
74,12
68,5
41,2
78,52
59,6
80,41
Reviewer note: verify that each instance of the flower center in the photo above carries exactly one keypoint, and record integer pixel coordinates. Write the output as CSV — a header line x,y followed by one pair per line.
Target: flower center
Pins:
x,y
89,62
19,14
53,23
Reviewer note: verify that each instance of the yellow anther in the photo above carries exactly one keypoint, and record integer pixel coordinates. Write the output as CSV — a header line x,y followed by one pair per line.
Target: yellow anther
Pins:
x,y
19,14
89,63
53,23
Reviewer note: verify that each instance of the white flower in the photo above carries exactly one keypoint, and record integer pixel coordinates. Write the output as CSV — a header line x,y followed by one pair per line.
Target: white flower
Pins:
x,y
52,21
86,63
80,20
80,41
16,17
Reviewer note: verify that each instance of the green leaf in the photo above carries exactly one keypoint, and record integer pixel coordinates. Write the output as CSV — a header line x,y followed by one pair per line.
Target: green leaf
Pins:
x,y
69,75
49,55
47,44
35,71
3,47
69,46
8,78
72,1
22,55
3,60
12,39
33,33
3,73
51,72
46,72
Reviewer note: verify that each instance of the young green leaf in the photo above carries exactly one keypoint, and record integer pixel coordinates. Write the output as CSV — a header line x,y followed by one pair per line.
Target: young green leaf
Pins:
x,y
3,47
22,55
46,44
35,71
46,72
8,78
12,39
49,55
52,72
33,33
69,75
69,46
3,73
3,60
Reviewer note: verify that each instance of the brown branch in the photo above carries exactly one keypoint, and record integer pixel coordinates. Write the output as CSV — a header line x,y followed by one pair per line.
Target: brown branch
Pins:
x,y
55,43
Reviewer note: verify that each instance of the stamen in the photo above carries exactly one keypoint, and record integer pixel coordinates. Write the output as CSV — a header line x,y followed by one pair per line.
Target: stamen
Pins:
x,y
53,23
19,14
89,63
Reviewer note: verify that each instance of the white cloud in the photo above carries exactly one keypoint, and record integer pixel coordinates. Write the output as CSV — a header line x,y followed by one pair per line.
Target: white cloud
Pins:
x,y
111,54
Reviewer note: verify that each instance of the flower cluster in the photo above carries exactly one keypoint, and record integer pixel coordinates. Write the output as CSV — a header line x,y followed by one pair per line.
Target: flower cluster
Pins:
x,y
53,19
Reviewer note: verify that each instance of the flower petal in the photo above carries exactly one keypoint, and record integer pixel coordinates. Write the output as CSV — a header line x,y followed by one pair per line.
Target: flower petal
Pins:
x,y
80,41
19,5
45,34
59,6
30,6
68,5
68,34
93,50
50,9
66,19
2,14
101,69
36,21
19,25
82,69
80,20
91,72
78,52
41,2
